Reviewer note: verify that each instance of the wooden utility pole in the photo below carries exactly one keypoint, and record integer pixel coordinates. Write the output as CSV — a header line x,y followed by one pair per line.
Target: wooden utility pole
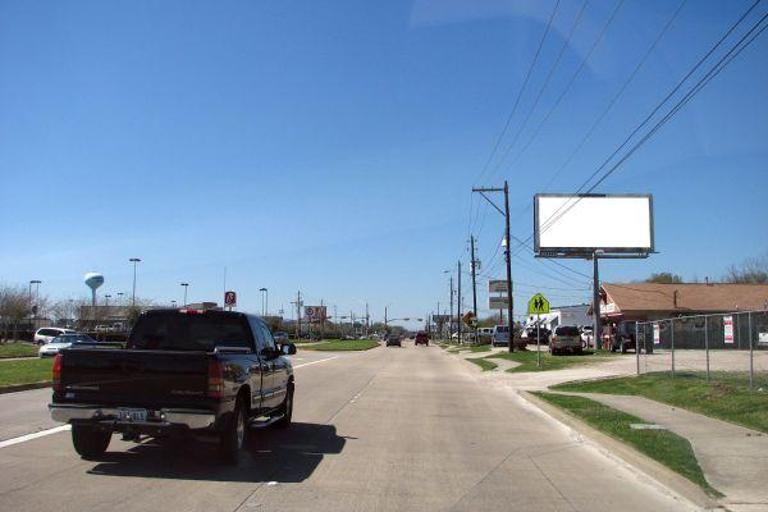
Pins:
x,y
507,252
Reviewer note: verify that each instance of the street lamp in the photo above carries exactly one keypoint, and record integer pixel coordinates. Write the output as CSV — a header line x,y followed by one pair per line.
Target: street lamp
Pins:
x,y
120,297
186,287
36,282
264,301
135,262
173,304
106,298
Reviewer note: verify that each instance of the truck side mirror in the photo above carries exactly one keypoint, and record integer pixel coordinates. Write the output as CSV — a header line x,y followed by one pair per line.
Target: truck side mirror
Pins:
x,y
288,349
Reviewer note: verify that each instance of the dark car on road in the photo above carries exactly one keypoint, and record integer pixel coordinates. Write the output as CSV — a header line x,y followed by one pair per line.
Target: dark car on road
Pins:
x,y
422,338
210,373
624,339
394,340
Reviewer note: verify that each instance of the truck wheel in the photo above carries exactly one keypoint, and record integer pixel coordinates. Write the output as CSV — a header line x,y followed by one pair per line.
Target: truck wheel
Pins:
x,y
90,442
286,410
233,437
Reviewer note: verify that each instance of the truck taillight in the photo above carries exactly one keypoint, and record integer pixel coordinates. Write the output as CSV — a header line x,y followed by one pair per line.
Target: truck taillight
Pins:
x,y
56,374
215,379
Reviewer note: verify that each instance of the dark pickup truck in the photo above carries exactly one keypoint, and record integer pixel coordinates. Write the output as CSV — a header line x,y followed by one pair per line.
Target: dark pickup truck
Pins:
x,y
183,371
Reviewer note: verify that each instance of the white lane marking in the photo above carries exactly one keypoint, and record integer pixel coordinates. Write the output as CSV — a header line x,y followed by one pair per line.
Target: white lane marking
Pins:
x,y
315,362
29,437
62,428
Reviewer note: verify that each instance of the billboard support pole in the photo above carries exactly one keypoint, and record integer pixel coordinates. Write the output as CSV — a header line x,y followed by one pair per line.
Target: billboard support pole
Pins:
x,y
597,323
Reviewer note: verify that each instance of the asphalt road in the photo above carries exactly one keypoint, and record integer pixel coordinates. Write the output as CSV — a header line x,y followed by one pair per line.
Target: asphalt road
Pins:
x,y
387,429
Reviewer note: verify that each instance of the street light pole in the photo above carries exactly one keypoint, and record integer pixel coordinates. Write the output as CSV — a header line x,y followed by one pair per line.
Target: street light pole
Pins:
x,y
106,299
186,288
135,262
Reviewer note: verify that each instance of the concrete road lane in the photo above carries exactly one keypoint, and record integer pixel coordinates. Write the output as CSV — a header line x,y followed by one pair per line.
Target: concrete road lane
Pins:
x,y
387,429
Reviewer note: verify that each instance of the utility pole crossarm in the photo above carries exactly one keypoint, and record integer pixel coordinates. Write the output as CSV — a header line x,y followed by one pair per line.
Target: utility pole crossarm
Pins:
x,y
482,192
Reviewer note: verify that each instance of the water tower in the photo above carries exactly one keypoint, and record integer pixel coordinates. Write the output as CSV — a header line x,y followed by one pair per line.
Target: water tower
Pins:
x,y
93,280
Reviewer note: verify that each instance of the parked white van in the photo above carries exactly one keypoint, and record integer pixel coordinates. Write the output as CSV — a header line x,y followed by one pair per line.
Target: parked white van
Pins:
x,y
46,334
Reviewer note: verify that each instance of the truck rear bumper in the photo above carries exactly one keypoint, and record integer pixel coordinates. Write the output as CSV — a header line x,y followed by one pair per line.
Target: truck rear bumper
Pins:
x,y
161,418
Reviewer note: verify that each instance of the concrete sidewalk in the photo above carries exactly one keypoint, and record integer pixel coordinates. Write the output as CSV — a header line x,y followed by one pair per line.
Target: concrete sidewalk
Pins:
x,y
734,459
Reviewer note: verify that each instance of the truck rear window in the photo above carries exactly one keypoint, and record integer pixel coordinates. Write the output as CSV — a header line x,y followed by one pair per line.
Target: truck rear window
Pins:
x,y
174,330
567,331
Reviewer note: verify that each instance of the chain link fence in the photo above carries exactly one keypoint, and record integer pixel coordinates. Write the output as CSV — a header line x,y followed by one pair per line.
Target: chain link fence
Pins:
x,y
728,344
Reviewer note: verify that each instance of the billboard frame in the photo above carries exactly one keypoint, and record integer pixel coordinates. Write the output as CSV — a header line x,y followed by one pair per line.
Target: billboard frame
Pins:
x,y
589,252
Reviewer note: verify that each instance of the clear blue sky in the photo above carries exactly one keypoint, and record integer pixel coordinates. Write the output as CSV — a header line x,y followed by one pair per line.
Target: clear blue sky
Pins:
x,y
331,146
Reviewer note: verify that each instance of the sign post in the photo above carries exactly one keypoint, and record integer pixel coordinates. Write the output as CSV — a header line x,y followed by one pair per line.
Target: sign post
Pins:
x,y
538,305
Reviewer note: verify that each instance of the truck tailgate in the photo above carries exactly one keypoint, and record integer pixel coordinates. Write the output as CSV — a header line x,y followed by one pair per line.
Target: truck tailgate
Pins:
x,y
144,378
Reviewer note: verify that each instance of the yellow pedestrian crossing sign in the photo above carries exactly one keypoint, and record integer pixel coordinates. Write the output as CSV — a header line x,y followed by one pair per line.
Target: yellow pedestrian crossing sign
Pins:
x,y
538,305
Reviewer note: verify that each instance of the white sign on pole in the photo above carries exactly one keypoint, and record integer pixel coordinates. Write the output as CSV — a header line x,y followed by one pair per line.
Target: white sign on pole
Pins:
x,y
656,334
497,285
565,224
728,329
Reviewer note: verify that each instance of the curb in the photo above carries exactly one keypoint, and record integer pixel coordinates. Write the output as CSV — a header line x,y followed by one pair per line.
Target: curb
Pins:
x,y
25,387
661,474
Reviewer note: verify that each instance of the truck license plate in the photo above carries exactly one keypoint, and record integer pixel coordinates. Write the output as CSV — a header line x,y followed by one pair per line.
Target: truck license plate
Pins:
x,y
139,415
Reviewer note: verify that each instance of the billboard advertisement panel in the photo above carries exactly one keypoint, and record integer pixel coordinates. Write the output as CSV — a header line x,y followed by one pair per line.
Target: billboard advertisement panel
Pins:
x,y
568,225
497,285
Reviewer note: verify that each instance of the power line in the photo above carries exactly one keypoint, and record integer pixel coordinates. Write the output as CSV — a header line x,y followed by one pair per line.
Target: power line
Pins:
x,y
573,78
694,90
520,92
552,69
618,94
715,70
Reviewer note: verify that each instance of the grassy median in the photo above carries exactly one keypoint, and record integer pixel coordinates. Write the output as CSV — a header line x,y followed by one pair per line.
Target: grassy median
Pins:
x,y
8,350
483,363
549,362
726,396
13,373
663,446
342,345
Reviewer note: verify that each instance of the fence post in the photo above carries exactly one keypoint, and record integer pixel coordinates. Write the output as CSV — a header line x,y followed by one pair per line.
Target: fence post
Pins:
x,y
672,339
751,351
706,343
637,346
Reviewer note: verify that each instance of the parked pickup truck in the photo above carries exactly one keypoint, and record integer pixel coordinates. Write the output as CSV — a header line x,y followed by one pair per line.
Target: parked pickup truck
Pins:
x,y
183,371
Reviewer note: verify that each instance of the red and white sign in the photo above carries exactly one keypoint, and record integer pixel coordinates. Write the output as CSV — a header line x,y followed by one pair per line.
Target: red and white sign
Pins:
x,y
230,299
656,334
728,329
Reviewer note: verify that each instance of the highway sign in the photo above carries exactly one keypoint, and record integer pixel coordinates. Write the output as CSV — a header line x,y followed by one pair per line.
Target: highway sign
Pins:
x,y
538,305
230,299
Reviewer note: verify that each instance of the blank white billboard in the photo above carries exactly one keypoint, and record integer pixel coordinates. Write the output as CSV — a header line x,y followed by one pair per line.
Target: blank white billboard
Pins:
x,y
580,224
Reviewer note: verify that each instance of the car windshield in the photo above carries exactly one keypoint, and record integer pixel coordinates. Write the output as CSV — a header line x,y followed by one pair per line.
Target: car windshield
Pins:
x,y
174,330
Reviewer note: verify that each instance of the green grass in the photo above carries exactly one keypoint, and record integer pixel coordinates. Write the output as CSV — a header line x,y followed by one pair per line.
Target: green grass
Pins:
x,y
480,348
483,363
25,372
726,396
17,350
549,362
343,345
664,446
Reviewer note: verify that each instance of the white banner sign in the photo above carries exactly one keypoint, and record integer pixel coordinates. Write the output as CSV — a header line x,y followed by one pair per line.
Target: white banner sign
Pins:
x,y
656,334
728,329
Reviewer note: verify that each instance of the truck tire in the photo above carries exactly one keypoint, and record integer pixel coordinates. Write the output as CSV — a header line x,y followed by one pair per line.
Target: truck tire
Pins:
x,y
232,438
90,442
286,410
